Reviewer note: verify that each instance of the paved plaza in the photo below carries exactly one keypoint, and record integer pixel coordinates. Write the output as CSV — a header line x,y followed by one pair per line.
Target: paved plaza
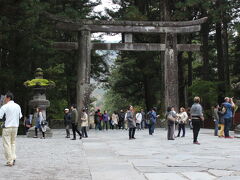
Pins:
x,y
109,155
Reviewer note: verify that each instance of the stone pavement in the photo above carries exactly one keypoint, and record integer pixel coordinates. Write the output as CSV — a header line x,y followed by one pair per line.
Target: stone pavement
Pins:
x,y
109,155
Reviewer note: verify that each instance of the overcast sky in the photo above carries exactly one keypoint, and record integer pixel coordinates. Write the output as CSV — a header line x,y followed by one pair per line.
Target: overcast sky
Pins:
x,y
101,8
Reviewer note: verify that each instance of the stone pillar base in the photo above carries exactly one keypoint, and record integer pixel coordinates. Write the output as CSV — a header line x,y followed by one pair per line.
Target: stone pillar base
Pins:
x,y
31,133
237,131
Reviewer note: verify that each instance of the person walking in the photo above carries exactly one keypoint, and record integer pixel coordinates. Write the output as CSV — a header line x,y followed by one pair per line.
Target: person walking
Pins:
x,y
196,112
131,122
171,117
138,120
229,105
153,120
67,122
105,119
216,119
182,120
84,123
74,122
12,113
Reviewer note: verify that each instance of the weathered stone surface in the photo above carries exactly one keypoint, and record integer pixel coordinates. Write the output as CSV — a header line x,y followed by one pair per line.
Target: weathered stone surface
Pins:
x,y
110,155
31,133
199,176
164,176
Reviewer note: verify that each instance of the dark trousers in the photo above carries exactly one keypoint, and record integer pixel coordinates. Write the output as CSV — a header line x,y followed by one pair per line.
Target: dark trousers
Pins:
x,y
132,133
181,127
105,125
216,128
121,124
138,126
36,132
170,132
227,125
74,130
84,131
196,123
151,128
142,124
98,125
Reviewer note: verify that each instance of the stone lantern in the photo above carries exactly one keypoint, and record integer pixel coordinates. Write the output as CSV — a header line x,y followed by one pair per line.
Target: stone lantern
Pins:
x,y
39,86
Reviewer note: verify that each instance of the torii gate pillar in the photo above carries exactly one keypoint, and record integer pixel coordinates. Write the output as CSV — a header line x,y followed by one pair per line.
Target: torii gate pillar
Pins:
x,y
83,67
171,71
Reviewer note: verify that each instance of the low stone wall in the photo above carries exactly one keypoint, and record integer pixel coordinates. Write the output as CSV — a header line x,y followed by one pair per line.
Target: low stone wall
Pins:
x,y
56,124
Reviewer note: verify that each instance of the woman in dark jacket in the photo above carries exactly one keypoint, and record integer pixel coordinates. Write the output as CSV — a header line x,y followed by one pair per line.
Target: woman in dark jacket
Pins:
x,y
171,118
131,122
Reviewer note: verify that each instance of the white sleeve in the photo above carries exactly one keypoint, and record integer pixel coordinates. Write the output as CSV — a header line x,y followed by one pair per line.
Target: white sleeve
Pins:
x,y
20,113
2,111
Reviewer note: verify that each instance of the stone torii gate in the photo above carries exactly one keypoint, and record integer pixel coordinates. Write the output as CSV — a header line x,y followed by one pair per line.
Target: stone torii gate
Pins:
x,y
84,28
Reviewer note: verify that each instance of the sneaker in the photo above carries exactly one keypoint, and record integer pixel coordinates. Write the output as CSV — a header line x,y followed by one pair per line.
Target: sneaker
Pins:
x,y
73,139
9,164
196,143
229,137
35,137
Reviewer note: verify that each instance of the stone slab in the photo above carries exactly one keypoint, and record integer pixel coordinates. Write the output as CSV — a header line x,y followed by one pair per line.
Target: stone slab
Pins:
x,y
164,176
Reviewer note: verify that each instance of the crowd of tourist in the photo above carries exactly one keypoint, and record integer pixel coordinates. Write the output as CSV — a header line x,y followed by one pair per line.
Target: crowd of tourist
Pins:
x,y
131,120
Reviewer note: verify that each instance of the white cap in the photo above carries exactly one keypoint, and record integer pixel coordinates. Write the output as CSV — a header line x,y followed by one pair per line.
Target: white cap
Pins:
x,y
66,109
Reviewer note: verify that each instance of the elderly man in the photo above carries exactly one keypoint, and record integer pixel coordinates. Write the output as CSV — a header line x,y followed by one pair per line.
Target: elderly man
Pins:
x,y
12,113
229,105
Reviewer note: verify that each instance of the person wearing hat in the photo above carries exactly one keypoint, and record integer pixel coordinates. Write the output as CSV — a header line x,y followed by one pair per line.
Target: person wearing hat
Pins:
x,y
67,121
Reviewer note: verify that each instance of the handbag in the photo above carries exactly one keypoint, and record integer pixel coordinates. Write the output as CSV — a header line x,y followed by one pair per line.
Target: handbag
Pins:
x,y
171,118
44,122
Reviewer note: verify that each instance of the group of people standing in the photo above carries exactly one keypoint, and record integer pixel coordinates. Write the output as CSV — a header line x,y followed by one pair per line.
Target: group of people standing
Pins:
x,y
79,124
117,120
131,120
223,116
195,116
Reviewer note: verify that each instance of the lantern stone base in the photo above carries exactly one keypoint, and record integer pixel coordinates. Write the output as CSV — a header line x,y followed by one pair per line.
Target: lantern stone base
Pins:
x,y
31,133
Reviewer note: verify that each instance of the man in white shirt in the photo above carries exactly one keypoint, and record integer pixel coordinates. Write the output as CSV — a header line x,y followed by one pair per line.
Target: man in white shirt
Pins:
x,y
12,112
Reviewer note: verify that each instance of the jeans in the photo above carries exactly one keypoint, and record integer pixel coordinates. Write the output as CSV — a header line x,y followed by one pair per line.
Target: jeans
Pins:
x,y
227,125
98,125
74,130
196,123
131,133
181,127
151,128
215,127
